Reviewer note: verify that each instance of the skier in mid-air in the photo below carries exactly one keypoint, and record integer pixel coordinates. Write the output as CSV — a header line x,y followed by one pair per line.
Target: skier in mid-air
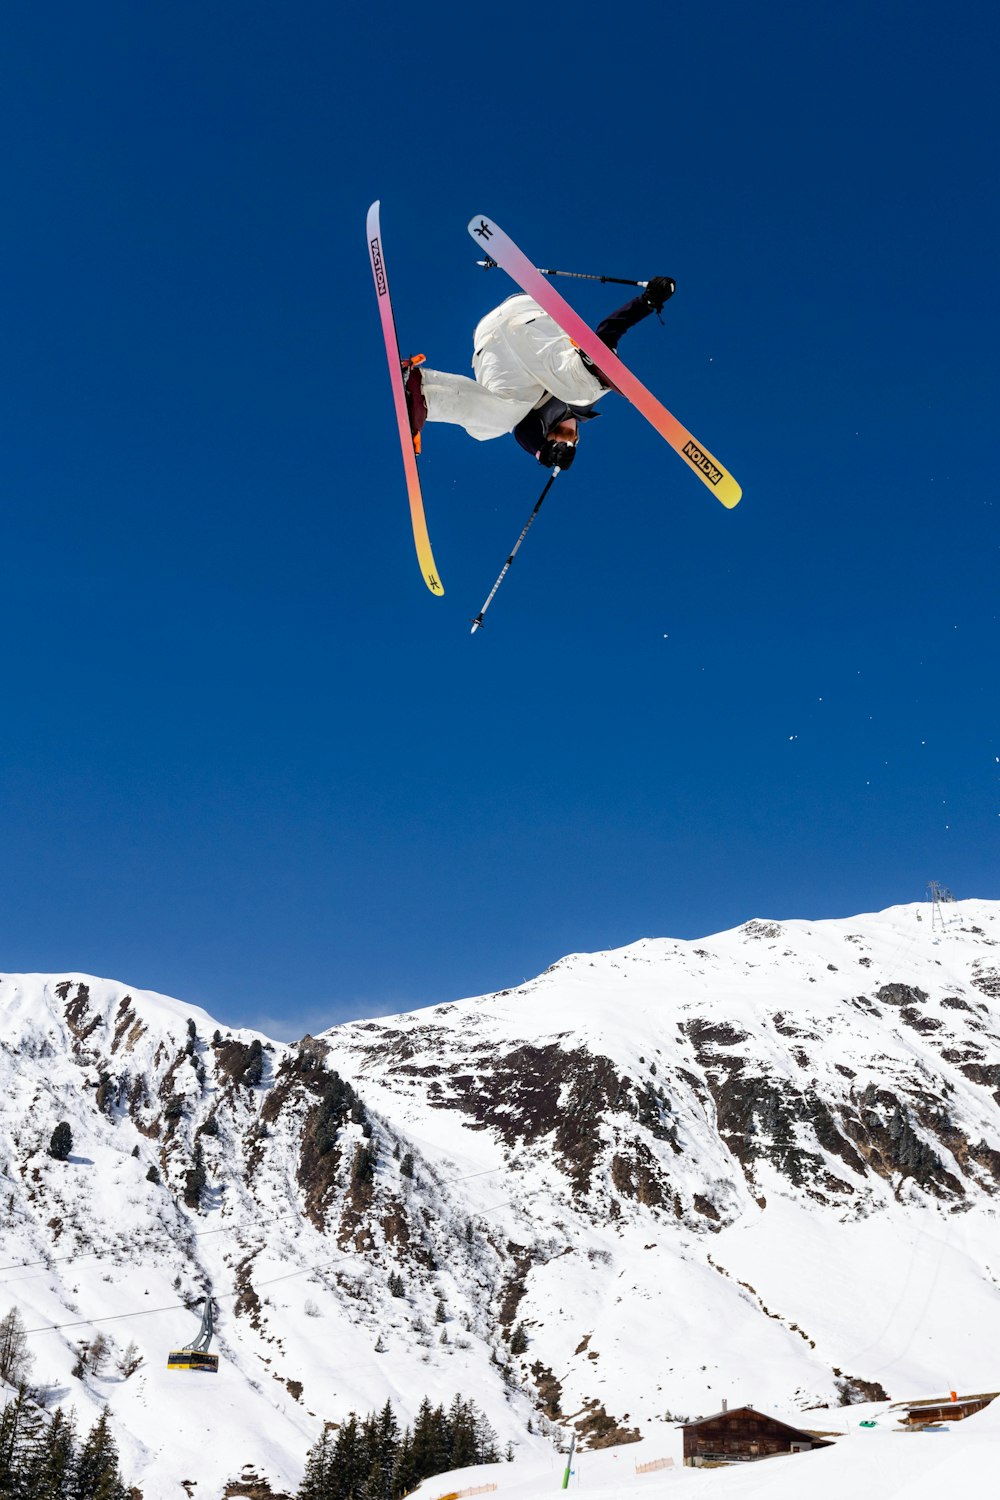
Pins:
x,y
531,379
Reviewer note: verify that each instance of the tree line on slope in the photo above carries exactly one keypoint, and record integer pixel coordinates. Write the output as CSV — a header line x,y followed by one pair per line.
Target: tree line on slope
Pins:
x,y
372,1460
41,1457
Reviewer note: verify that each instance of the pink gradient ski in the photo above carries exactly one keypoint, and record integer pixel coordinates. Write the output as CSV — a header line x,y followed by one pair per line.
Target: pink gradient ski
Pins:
x,y
499,247
425,556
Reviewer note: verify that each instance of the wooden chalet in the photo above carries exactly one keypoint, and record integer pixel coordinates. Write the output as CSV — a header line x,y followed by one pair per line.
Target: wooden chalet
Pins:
x,y
742,1435
948,1409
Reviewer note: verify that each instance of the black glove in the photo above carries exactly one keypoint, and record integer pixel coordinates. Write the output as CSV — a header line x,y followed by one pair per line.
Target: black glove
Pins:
x,y
658,291
556,455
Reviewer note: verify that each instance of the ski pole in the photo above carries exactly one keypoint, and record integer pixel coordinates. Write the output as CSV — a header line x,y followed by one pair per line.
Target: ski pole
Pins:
x,y
477,622
490,265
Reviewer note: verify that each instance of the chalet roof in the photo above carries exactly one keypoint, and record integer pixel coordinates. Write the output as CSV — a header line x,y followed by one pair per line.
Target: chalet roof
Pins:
x,y
985,1396
732,1411
946,1401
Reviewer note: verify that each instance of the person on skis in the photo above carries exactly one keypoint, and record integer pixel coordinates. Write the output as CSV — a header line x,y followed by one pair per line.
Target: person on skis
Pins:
x,y
530,378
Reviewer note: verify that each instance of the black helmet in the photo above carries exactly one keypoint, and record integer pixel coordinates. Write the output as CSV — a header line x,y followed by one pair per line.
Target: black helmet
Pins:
x,y
556,455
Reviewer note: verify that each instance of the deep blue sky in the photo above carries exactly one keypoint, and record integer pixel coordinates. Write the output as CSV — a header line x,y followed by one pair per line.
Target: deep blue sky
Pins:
x,y
247,759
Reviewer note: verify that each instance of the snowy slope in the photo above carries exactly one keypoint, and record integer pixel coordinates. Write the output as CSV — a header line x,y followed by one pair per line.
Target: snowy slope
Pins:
x,y
91,1245
763,1165
880,1463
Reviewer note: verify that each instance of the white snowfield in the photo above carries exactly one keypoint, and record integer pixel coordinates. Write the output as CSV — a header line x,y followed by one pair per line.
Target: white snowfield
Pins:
x,y
762,1166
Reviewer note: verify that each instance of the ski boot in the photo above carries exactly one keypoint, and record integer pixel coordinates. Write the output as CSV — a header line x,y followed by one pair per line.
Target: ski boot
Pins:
x,y
416,406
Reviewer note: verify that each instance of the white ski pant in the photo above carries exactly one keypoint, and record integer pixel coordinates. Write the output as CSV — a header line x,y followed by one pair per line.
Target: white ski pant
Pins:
x,y
521,358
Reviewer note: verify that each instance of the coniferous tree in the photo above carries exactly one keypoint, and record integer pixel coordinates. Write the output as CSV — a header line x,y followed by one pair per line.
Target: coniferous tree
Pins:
x,y
462,1435
471,1439
443,1439
253,1072
368,1444
317,1478
387,1440
348,1473
50,1467
374,1485
363,1166
195,1179
423,1441
97,1476
16,1427
61,1143
486,1439
404,1474
431,1441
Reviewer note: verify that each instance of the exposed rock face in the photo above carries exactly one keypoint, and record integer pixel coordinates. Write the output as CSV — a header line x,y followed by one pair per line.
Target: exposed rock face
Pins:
x,y
829,1064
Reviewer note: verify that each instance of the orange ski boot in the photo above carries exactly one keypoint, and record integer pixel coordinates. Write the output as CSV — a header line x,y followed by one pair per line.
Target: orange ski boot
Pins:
x,y
416,406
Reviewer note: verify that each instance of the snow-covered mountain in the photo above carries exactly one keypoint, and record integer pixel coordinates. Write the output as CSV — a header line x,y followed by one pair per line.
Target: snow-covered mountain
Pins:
x,y
764,1165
